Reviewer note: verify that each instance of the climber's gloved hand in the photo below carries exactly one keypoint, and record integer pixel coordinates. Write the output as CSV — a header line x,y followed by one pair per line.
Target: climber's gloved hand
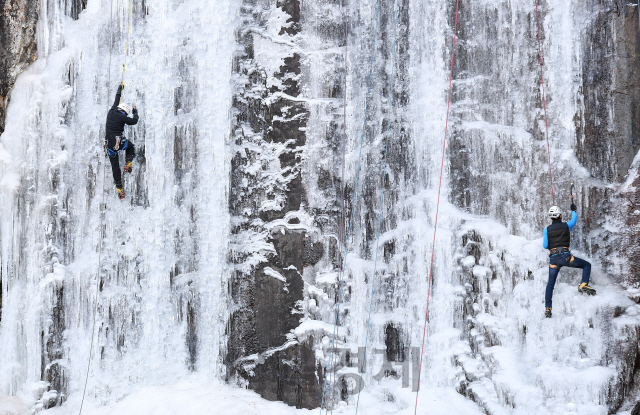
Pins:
x,y
135,110
573,208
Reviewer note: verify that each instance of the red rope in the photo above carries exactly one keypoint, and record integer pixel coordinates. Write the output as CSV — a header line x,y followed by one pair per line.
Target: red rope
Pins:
x,y
544,103
446,124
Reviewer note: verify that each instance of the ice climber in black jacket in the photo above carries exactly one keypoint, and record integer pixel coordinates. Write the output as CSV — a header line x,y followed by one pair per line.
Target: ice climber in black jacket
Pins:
x,y
115,140
557,239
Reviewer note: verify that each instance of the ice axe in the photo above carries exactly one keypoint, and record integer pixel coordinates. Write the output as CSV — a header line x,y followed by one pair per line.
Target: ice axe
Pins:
x,y
571,193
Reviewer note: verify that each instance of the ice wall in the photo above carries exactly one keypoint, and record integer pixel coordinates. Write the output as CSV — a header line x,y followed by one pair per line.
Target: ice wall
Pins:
x,y
163,249
485,337
225,258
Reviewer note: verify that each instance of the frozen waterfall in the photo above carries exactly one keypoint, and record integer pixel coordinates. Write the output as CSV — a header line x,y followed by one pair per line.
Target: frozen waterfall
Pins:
x,y
220,270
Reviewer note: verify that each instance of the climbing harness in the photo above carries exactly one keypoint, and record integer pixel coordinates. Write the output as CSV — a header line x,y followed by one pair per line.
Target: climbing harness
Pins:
x,y
353,205
544,103
384,173
117,147
559,250
435,228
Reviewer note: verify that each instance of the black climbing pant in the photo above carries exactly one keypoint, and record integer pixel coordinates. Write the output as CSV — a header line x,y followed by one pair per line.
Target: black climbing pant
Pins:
x,y
558,261
129,154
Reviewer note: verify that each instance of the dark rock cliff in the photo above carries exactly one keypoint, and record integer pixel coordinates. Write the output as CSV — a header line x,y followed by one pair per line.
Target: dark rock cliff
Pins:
x,y
608,128
268,250
608,133
626,98
608,136
17,44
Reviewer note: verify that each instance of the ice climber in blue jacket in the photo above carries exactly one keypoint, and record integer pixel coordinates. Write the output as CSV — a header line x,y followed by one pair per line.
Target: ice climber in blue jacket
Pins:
x,y
557,239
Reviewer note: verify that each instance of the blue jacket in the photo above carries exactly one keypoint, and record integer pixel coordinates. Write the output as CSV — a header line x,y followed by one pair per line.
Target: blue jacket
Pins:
x,y
571,224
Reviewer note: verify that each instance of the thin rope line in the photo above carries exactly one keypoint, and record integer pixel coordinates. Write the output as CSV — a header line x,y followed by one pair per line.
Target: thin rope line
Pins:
x,y
126,48
384,173
353,205
435,229
344,125
344,134
104,179
544,103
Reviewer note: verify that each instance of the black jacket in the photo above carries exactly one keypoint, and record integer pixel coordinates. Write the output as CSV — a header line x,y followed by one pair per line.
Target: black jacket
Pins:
x,y
116,120
558,234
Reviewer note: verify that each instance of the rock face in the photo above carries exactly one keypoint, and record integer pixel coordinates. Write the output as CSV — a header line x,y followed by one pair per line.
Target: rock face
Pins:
x,y
608,132
626,61
296,210
17,43
266,193
608,140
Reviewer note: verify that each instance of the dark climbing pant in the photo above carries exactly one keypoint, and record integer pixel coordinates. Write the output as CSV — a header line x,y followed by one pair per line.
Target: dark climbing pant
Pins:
x,y
564,260
129,154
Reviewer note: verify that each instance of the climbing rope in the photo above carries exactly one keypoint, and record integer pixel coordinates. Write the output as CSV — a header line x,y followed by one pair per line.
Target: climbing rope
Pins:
x,y
344,134
435,228
353,205
544,103
104,179
384,173
344,124
126,48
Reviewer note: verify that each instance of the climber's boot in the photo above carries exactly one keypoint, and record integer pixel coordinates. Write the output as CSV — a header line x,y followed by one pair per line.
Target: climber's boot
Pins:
x,y
127,167
585,289
120,192
547,312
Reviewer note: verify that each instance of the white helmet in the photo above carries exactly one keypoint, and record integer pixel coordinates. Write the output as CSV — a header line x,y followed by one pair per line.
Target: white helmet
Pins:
x,y
124,107
554,212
